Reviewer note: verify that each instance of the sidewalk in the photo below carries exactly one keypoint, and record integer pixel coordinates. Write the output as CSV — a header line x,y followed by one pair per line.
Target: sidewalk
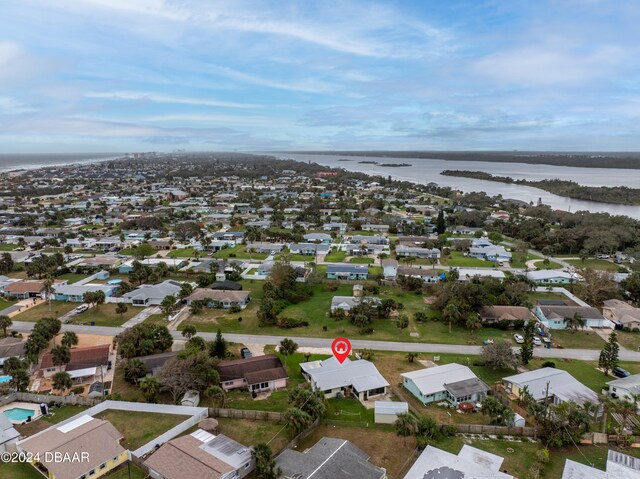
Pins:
x,y
141,316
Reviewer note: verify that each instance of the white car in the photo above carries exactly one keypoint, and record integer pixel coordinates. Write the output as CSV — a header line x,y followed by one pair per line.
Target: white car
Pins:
x,y
537,341
518,337
81,309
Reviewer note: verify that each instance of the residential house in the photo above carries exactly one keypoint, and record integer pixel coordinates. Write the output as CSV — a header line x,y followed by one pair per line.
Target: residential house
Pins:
x,y
152,294
75,292
625,388
554,317
468,274
347,303
309,248
417,252
259,373
94,442
426,275
621,313
153,362
551,276
374,239
549,384
268,248
335,226
127,267
470,463
375,227
26,289
618,466
328,458
217,298
101,261
452,382
201,455
495,314
358,378
487,251
347,271
83,365
317,238
389,268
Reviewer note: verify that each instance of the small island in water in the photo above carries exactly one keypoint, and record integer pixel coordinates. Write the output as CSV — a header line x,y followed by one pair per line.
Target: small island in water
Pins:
x,y
619,195
396,165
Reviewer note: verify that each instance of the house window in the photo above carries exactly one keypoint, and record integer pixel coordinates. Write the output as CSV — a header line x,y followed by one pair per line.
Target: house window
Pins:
x,y
102,466
92,472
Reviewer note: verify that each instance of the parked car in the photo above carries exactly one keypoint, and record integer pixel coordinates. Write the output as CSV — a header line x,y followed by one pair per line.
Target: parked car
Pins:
x,y
603,256
245,353
518,337
621,373
81,309
537,341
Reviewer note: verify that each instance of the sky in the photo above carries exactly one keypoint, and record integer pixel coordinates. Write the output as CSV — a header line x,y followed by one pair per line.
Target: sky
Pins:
x,y
163,75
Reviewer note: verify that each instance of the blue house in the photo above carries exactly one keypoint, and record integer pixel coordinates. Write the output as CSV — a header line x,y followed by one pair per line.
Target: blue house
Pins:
x,y
347,271
75,293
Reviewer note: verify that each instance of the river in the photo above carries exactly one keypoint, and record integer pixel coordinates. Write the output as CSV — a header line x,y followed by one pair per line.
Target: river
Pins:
x,y
428,171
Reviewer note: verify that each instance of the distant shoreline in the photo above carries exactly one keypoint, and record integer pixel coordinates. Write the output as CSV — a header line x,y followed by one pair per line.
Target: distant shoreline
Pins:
x,y
36,161
609,160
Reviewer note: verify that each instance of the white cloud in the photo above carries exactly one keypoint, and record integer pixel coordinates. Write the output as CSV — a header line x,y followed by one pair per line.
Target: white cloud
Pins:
x,y
158,98
306,86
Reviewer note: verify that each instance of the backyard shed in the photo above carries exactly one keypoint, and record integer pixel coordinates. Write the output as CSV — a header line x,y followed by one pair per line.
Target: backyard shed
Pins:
x,y
386,412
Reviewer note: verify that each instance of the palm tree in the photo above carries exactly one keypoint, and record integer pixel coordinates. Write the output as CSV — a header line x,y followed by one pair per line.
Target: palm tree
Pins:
x,y
406,425
574,322
60,355
62,381
150,388
217,395
5,322
411,356
69,339
47,287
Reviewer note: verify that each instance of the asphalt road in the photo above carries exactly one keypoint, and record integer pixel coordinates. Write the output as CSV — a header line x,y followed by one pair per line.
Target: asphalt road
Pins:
x,y
582,354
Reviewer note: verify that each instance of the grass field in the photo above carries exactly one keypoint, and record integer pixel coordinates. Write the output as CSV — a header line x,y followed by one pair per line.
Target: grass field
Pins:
x,y
361,260
239,252
5,304
44,310
128,471
183,253
579,339
629,340
106,315
8,246
18,470
251,433
72,277
336,256
138,429
593,263
457,259
551,265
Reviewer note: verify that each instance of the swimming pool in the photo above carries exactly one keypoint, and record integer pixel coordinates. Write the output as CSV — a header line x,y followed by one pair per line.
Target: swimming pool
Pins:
x,y
5,379
19,414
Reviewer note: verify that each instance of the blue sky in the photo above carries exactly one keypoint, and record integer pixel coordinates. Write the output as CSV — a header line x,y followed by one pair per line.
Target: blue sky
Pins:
x,y
143,75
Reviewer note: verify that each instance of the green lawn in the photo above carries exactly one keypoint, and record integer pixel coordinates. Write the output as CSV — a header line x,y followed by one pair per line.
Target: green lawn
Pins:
x,y
238,252
593,263
307,258
457,259
550,265
7,246
596,455
18,470
629,340
72,277
44,310
5,304
336,256
250,433
361,260
138,429
128,471
184,253
62,413
105,315
348,409
579,339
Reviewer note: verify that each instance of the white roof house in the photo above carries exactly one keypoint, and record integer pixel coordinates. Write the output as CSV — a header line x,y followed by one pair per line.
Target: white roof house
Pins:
x,y
619,466
451,382
625,387
551,276
553,383
359,377
153,294
467,274
470,463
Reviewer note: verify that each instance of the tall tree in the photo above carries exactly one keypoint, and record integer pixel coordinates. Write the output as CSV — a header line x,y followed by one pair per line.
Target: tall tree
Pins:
x,y
62,381
574,322
219,346
265,464
287,348
609,355
69,338
60,355
121,308
5,322
526,350
441,226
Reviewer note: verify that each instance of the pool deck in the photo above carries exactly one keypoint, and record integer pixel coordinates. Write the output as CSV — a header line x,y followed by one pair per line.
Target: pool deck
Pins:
x,y
22,405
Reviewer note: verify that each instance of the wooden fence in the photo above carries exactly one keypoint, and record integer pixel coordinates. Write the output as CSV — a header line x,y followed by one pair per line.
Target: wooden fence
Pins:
x,y
246,414
497,430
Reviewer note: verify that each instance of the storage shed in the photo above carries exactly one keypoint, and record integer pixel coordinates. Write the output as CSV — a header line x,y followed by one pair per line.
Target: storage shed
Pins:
x,y
386,412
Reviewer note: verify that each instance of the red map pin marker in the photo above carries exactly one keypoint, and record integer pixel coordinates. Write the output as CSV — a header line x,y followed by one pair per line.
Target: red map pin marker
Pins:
x,y
341,347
